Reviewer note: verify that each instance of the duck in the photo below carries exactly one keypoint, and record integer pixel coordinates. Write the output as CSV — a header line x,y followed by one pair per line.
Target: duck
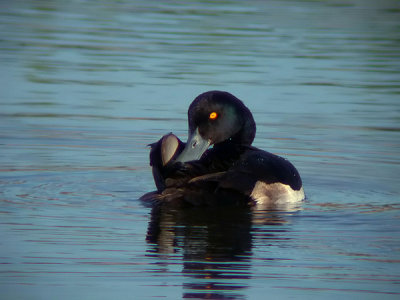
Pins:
x,y
218,164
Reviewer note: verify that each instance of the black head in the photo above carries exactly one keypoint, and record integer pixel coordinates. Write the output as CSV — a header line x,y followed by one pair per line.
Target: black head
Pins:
x,y
217,117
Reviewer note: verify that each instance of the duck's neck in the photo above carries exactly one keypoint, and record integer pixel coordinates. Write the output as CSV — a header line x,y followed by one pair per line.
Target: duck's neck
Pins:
x,y
246,134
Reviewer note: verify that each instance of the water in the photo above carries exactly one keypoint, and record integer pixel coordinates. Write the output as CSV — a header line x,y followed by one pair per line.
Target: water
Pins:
x,y
85,86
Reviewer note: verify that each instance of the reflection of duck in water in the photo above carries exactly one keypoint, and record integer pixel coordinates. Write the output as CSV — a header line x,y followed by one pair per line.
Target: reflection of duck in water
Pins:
x,y
216,252
214,243
232,171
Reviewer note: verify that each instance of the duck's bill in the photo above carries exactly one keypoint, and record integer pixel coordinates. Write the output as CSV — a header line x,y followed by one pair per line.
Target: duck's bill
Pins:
x,y
195,147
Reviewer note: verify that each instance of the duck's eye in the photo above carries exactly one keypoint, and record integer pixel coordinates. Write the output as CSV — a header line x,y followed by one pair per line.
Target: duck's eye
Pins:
x,y
213,115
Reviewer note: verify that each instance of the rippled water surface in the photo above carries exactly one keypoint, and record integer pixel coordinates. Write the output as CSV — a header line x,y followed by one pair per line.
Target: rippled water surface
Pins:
x,y
86,85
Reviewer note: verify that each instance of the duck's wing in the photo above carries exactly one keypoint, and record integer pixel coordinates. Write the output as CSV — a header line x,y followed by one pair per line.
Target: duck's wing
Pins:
x,y
257,166
161,154
252,167
208,177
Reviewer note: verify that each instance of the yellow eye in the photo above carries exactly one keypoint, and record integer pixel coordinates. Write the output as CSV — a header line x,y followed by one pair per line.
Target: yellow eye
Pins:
x,y
213,115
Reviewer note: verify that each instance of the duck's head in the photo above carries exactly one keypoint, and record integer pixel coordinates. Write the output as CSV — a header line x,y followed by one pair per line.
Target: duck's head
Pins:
x,y
217,117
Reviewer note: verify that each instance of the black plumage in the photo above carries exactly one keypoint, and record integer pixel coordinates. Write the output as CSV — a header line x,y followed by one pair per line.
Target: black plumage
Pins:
x,y
192,173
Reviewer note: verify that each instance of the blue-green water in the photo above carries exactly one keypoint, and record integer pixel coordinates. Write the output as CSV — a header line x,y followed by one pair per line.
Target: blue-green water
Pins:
x,y
86,85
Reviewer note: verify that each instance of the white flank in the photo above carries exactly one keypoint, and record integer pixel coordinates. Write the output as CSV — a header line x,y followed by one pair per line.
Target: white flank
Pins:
x,y
276,196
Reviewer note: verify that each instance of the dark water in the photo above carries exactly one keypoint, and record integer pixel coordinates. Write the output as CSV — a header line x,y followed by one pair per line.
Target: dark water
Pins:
x,y
86,85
